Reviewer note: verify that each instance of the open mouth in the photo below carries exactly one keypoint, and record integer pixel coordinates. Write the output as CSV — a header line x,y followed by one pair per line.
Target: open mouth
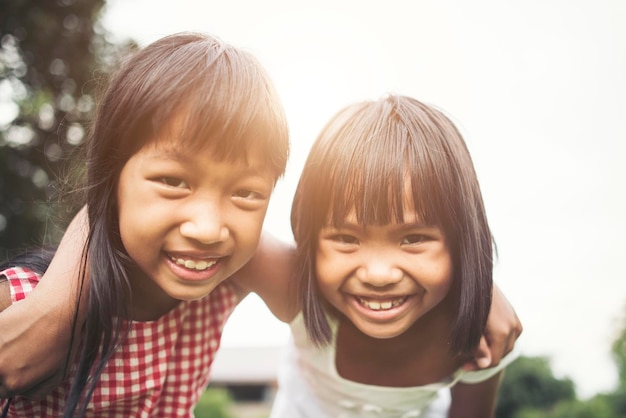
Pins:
x,y
198,265
381,304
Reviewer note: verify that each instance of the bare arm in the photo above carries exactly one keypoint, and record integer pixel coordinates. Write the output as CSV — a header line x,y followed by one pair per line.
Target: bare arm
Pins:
x,y
503,329
36,332
475,400
268,274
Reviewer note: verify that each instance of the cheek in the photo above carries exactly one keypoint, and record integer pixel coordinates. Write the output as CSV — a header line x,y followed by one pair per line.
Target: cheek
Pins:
x,y
132,219
250,224
133,235
246,229
436,273
444,276
327,269
125,202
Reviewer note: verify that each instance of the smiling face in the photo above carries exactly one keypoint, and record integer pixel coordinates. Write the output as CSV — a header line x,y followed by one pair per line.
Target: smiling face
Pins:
x,y
379,165
383,278
188,220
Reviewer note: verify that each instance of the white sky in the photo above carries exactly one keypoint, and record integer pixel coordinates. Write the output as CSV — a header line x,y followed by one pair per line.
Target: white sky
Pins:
x,y
538,89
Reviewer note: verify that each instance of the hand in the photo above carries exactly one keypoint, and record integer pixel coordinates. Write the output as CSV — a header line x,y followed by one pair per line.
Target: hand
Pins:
x,y
33,349
36,332
503,329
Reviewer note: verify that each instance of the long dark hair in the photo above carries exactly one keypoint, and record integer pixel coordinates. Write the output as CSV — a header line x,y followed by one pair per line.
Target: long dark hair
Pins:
x,y
229,102
360,161
37,260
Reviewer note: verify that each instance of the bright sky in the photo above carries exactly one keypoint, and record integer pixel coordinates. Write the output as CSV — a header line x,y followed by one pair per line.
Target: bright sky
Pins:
x,y
537,88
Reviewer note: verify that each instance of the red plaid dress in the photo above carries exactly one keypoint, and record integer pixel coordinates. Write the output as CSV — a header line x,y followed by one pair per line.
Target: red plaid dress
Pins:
x,y
161,369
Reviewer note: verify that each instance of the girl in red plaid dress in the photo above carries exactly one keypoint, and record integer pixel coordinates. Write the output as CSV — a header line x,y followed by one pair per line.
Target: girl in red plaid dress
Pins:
x,y
186,146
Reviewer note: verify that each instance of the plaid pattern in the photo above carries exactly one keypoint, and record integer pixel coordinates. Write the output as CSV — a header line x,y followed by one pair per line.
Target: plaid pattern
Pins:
x,y
21,282
161,369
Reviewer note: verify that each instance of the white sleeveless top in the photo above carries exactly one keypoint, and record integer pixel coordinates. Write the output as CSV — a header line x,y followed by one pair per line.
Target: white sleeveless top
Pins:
x,y
310,386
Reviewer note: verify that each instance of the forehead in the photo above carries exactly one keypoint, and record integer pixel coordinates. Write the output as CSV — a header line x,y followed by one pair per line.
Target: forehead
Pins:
x,y
175,141
170,151
171,159
405,199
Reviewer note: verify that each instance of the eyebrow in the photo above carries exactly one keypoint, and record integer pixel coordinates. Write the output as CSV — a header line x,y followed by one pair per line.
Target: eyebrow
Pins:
x,y
171,153
408,225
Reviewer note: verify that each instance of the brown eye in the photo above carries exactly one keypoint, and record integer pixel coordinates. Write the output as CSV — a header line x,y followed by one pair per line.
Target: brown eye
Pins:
x,y
246,194
174,182
414,239
345,239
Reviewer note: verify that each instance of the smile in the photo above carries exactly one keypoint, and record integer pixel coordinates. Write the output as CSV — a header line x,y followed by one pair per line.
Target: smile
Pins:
x,y
381,305
199,265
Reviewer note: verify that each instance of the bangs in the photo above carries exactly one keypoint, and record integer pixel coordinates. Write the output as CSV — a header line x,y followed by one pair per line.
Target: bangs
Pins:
x,y
383,153
226,99
236,116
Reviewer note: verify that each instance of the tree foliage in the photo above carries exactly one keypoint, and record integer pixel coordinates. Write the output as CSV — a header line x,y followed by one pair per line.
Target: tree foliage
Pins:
x,y
49,51
530,390
214,403
530,383
619,354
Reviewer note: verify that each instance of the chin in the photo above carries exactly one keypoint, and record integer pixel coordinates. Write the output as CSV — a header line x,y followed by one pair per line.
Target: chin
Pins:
x,y
382,334
188,294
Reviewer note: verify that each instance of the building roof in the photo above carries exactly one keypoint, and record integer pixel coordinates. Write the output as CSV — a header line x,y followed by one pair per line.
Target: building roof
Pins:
x,y
246,365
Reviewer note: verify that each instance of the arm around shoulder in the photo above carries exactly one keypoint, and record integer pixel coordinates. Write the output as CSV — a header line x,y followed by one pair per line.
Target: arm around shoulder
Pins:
x,y
502,331
268,274
36,332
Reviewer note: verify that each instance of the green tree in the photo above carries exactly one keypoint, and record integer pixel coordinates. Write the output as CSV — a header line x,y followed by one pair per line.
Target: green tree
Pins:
x,y
598,407
529,390
49,51
618,350
214,403
529,383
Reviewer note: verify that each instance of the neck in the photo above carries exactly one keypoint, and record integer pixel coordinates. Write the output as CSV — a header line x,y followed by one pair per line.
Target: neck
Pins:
x,y
419,356
149,302
432,329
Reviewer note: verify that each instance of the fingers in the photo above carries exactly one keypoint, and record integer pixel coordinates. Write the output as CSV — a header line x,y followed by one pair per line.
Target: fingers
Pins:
x,y
505,344
34,393
493,347
502,330
42,389
503,327
8,389
483,357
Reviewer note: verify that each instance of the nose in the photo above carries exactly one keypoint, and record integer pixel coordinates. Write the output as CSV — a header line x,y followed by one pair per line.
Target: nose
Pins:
x,y
379,270
204,222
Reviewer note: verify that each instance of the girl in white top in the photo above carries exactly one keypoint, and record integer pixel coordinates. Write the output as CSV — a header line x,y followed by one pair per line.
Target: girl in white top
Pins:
x,y
394,270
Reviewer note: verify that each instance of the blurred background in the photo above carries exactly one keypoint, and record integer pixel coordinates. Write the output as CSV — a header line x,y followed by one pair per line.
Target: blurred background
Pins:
x,y
537,88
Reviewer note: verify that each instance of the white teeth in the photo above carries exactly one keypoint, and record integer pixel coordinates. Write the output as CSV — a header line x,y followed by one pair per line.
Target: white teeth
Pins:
x,y
381,306
194,265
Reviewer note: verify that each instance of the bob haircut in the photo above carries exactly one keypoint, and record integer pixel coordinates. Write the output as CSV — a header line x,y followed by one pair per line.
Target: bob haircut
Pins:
x,y
360,162
230,106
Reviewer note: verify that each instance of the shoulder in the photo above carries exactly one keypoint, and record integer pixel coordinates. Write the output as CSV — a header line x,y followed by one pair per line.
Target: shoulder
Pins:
x,y
269,274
